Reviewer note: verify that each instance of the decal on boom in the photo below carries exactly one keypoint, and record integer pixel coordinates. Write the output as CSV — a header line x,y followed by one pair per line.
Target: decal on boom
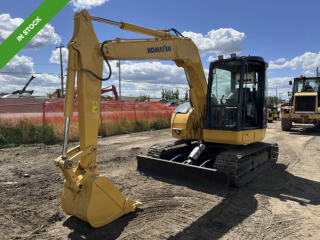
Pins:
x,y
159,49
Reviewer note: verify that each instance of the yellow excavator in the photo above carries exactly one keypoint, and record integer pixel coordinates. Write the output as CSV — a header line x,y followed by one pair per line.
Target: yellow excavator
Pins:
x,y
271,113
218,132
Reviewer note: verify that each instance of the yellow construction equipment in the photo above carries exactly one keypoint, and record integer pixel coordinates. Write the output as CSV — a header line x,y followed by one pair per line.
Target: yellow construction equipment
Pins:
x,y
303,107
272,112
274,109
143,98
270,116
275,115
218,131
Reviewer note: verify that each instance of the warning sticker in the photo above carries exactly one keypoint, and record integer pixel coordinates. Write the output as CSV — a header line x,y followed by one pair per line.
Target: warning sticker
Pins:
x,y
95,107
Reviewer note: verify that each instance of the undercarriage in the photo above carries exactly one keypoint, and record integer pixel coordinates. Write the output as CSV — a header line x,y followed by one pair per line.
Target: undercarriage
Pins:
x,y
207,167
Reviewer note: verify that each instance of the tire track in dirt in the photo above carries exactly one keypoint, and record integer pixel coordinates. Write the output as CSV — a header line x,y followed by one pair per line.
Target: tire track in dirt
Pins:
x,y
298,149
278,204
288,224
286,136
267,220
166,211
305,143
278,226
164,207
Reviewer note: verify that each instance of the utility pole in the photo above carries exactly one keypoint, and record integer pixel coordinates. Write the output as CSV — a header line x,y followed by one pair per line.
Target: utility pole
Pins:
x,y
61,46
276,91
118,65
280,94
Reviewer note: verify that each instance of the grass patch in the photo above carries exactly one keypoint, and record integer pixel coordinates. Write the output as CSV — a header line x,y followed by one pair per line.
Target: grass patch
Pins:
x,y
24,132
108,128
160,123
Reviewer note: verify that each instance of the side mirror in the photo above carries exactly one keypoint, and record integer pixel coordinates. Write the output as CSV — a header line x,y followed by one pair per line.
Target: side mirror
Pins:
x,y
290,82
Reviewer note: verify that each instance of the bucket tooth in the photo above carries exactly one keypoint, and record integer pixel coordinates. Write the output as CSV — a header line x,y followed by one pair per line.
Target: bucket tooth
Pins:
x,y
99,203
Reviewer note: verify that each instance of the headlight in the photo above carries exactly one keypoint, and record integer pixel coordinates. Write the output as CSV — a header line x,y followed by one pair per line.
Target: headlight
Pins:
x,y
177,132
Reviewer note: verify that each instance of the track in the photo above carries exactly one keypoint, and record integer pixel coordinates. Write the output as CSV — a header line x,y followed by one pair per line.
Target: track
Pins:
x,y
259,156
243,163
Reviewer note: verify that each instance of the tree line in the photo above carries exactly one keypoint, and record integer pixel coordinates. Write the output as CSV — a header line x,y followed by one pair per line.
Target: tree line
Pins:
x,y
170,94
275,100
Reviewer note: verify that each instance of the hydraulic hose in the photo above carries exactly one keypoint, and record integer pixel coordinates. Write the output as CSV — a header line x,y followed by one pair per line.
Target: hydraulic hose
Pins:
x,y
106,60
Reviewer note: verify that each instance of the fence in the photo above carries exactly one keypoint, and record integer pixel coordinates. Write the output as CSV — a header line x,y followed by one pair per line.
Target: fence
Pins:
x,y
38,111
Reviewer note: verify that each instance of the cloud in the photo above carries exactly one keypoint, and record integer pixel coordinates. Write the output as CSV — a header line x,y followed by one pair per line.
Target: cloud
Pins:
x,y
148,72
55,56
136,89
310,73
80,4
147,78
281,82
305,61
139,78
210,59
44,37
18,71
280,60
19,64
279,85
42,84
220,41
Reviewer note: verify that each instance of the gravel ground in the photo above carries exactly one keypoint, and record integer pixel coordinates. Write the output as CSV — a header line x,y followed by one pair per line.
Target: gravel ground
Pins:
x,y
281,203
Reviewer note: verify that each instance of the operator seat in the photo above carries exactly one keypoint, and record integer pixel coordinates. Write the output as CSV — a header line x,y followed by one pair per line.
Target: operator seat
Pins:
x,y
233,97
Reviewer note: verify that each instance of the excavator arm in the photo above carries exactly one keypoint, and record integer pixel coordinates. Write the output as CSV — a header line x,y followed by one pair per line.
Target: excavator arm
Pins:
x,y
111,89
103,90
27,84
87,195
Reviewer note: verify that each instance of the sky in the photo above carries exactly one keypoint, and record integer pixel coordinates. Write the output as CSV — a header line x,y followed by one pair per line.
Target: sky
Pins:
x,y
285,33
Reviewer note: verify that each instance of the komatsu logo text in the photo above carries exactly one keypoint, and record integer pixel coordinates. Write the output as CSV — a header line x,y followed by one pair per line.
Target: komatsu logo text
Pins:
x,y
159,49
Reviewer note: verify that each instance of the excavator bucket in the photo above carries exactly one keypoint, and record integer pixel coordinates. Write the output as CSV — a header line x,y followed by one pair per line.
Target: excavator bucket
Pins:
x,y
100,203
197,178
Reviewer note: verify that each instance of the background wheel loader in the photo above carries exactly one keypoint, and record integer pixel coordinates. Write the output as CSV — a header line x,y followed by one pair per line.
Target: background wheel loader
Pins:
x,y
218,132
303,107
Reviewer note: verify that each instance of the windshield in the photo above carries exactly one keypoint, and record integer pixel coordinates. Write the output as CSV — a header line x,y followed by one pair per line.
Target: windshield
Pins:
x,y
307,85
236,95
225,80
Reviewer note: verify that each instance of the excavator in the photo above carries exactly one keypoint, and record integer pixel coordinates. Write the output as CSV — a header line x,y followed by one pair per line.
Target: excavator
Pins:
x,y
103,90
271,113
218,134
20,92
109,89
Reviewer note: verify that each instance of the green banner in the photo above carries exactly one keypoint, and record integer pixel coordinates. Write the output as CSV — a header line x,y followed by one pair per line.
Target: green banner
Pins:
x,y
28,29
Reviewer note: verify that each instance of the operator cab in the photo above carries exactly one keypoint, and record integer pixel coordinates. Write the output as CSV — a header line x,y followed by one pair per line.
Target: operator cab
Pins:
x,y
237,94
305,84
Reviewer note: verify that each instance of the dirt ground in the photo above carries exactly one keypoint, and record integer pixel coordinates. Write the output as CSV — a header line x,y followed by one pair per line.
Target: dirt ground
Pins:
x,y
281,203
